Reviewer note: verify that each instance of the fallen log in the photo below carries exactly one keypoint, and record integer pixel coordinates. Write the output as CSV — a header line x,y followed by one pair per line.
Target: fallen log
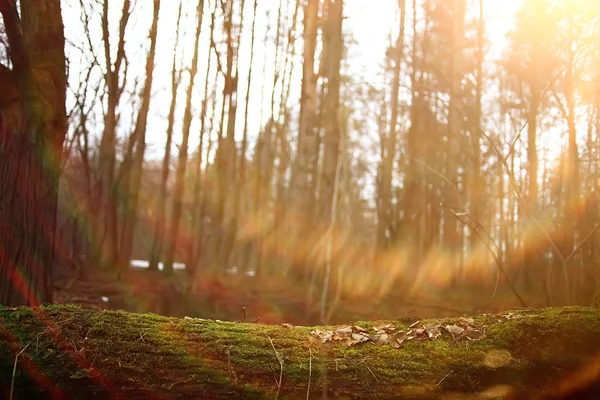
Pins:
x,y
66,352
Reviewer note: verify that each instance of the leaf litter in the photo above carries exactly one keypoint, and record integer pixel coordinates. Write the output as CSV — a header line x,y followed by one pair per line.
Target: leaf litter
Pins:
x,y
388,334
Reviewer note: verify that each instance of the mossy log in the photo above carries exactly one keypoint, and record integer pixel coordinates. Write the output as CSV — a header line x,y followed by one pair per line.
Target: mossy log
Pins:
x,y
71,353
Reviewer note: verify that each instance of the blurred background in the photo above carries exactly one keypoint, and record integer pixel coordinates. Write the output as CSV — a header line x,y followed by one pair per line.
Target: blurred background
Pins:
x,y
324,161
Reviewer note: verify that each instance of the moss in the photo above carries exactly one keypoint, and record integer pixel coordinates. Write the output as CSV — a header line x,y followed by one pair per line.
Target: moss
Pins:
x,y
183,358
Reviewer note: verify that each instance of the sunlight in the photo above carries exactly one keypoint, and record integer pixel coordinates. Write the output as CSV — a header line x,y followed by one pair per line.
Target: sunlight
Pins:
x,y
199,196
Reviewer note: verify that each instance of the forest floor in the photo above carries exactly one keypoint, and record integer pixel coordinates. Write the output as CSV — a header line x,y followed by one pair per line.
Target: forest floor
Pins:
x,y
244,299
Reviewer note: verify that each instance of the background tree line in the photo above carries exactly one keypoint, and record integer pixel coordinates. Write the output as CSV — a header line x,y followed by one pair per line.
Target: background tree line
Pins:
x,y
457,170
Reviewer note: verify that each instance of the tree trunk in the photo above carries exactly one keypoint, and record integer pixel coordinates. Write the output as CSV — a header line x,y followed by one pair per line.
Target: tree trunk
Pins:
x,y
33,125
173,240
156,252
62,352
389,147
228,148
244,260
306,159
332,57
199,199
139,136
450,236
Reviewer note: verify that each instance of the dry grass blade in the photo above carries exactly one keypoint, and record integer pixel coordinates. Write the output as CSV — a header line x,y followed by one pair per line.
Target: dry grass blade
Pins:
x,y
14,373
444,378
371,371
280,359
229,364
309,372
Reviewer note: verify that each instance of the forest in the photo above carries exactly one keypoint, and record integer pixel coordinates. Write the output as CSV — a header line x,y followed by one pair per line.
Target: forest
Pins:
x,y
298,163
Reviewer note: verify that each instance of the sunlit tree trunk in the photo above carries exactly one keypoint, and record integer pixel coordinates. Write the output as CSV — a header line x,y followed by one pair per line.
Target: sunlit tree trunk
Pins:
x,y
476,186
391,139
572,192
156,252
115,84
306,159
245,255
33,125
332,57
199,198
531,255
411,230
454,132
139,136
261,151
173,239
282,219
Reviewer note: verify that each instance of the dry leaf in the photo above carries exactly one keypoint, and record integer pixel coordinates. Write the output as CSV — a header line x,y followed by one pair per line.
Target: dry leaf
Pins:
x,y
387,328
454,330
359,329
433,331
324,336
381,338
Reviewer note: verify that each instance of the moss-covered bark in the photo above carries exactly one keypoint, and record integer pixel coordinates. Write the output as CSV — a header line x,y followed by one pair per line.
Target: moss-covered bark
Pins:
x,y
76,353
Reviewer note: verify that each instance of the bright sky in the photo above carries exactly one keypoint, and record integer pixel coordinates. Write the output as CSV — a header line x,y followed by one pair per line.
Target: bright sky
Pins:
x,y
369,24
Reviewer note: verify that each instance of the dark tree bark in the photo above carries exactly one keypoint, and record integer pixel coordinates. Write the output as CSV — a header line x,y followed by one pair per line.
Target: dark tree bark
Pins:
x,y
33,125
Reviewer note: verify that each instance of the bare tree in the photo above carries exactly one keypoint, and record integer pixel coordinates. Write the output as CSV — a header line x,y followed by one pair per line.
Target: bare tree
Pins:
x,y
172,242
156,251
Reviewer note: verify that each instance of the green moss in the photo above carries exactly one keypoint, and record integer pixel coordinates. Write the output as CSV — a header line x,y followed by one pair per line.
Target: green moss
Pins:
x,y
173,357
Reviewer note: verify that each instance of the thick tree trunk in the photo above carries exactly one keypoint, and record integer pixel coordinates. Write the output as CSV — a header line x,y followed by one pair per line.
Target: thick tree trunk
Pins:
x,y
27,221
33,125
68,352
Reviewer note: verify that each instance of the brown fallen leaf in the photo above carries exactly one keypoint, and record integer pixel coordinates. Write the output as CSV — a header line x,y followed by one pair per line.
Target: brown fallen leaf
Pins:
x,y
357,328
455,331
433,331
387,328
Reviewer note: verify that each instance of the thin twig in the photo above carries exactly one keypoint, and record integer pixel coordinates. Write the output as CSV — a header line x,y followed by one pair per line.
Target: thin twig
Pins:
x,y
371,371
444,378
229,364
495,256
588,237
14,373
309,372
280,359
